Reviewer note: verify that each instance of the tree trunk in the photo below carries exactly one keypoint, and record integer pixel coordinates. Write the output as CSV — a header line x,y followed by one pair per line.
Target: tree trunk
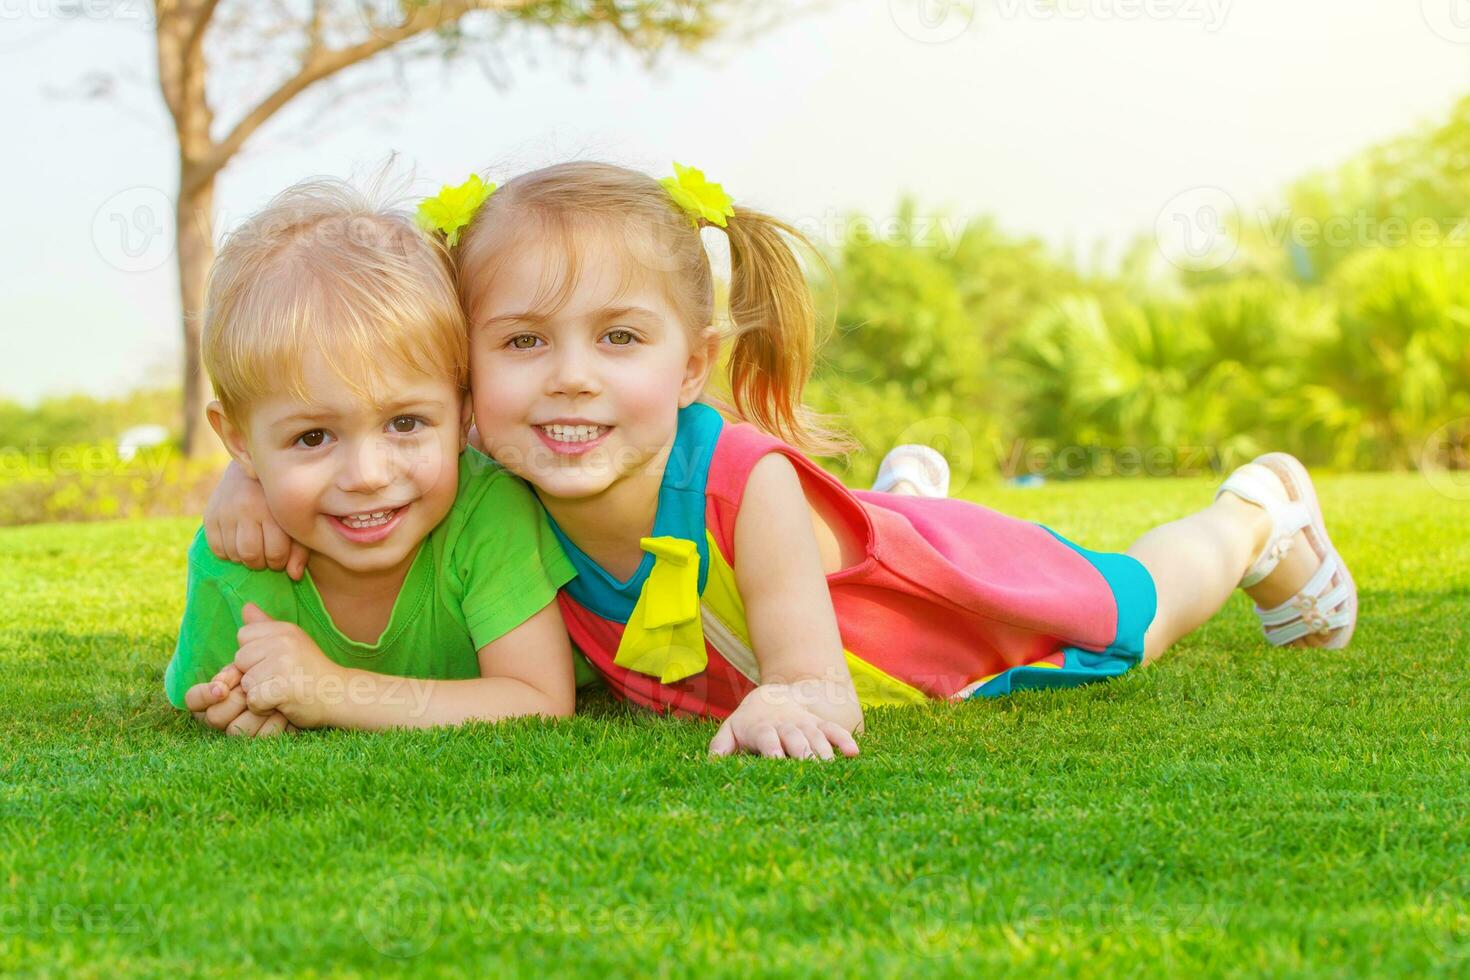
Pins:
x,y
194,226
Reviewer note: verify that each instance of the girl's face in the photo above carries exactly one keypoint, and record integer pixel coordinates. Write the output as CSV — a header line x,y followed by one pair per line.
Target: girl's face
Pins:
x,y
575,398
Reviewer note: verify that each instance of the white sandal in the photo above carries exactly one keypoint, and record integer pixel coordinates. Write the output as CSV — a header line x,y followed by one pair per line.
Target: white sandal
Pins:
x,y
1328,603
921,466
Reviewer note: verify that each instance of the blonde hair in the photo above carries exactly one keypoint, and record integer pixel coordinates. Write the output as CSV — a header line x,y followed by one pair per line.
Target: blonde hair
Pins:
x,y
772,318
322,267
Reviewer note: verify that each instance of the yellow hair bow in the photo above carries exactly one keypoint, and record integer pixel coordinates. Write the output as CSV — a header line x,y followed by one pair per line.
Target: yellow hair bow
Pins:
x,y
453,207
664,637
700,198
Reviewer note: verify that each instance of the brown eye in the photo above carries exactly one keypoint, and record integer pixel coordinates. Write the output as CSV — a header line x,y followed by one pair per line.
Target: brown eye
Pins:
x,y
405,425
524,341
312,439
620,338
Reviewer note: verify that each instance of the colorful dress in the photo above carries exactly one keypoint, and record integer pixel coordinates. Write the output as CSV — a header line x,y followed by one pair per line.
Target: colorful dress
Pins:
x,y
951,599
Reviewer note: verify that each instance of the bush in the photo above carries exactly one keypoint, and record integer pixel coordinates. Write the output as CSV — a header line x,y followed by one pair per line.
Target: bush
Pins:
x,y
992,345
89,482
71,420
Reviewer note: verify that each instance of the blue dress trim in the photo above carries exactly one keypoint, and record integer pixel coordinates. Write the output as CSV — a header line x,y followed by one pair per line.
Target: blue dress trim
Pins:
x,y
1137,601
680,514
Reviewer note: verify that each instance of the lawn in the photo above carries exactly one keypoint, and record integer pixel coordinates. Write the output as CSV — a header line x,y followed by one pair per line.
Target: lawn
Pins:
x,y
1233,809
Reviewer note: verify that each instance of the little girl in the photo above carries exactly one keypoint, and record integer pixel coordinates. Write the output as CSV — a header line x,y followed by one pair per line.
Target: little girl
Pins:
x,y
720,571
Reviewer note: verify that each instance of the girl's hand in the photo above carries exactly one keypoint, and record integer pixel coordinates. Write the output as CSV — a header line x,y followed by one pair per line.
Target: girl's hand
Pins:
x,y
239,527
220,704
773,722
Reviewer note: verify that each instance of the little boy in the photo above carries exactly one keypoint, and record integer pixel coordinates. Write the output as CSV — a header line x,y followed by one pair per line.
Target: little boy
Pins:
x,y
337,349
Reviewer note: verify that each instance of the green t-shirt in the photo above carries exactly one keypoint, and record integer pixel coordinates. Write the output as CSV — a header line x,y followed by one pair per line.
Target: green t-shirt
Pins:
x,y
490,565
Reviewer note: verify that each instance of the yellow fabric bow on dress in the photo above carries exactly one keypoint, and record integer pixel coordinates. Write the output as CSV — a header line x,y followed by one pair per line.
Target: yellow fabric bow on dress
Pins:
x,y
664,637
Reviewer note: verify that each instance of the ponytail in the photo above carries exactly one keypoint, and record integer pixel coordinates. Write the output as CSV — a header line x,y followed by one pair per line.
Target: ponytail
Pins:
x,y
774,324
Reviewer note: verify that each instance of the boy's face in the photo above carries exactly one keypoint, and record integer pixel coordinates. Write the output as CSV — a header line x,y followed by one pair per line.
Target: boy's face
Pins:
x,y
575,399
357,483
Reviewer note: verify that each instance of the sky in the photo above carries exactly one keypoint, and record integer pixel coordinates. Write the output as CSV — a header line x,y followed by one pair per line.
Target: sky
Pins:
x,y
1078,121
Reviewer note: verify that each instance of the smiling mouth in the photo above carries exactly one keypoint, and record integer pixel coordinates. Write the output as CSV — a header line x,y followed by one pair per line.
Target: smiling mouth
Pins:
x,y
369,527
572,434
369,519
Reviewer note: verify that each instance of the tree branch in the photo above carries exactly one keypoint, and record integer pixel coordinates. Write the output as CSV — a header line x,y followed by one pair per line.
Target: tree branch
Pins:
x,y
201,21
314,29
170,63
637,24
322,63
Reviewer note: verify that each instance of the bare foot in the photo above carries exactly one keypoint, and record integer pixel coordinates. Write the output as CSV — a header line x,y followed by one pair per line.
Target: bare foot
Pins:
x,y
1291,573
1286,580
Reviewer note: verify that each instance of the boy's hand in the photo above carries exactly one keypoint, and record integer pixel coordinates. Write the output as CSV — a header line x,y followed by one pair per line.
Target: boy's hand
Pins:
x,y
220,704
772,721
282,669
239,527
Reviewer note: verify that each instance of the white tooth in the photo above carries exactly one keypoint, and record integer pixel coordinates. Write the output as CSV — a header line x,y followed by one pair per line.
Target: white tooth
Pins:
x,y
375,518
573,433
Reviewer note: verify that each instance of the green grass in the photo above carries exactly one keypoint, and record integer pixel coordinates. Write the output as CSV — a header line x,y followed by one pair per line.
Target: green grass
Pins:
x,y
1233,809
